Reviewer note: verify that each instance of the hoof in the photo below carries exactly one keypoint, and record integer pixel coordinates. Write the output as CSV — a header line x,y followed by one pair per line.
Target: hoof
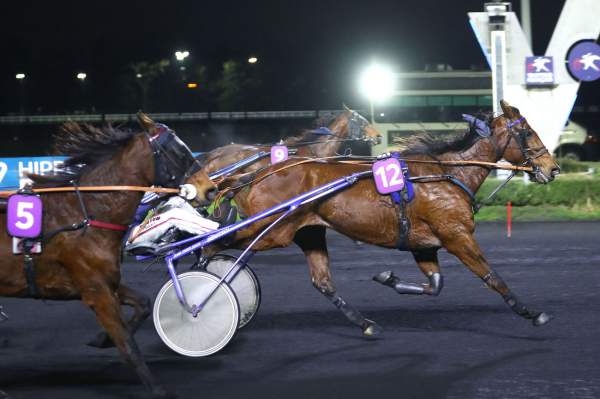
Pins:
x,y
102,341
371,329
541,319
385,278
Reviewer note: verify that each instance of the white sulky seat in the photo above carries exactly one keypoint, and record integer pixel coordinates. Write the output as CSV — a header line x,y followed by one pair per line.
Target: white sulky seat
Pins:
x,y
167,222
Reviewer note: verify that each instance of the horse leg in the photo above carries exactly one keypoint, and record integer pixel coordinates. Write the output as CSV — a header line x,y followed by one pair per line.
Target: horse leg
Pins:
x,y
312,242
465,248
427,261
141,305
105,303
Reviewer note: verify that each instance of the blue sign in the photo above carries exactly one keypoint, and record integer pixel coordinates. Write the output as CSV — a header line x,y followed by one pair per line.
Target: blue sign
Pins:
x,y
584,61
13,170
539,71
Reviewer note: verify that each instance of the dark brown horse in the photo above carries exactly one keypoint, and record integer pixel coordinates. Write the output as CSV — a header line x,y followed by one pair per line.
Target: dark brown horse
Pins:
x,y
85,263
441,214
346,127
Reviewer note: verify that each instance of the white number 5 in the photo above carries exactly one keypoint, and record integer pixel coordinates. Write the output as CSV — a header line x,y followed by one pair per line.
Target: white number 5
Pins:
x,y
23,213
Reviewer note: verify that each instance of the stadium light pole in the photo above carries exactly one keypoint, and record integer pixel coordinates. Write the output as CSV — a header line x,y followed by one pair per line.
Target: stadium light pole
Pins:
x,y
21,79
377,82
81,77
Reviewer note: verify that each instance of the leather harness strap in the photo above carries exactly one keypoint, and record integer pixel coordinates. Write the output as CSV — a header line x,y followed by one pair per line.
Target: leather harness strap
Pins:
x,y
108,226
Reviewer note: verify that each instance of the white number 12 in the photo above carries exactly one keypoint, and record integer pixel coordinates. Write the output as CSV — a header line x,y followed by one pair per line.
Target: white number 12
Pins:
x,y
394,181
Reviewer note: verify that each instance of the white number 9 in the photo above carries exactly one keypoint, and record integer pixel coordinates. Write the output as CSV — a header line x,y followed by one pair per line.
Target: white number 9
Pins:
x,y
3,170
279,155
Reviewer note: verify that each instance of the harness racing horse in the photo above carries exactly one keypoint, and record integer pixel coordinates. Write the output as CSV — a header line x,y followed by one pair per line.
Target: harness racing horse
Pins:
x,y
440,216
346,127
81,235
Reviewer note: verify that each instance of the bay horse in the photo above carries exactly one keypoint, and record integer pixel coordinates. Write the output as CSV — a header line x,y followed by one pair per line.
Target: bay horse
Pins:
x,y
440,215
84,263
346,127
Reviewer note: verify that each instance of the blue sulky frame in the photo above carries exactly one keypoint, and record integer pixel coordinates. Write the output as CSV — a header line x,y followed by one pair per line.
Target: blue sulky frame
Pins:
x,y
203,240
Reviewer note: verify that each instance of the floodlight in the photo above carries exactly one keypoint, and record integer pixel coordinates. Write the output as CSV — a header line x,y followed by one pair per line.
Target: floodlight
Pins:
x,y
181,55
377,82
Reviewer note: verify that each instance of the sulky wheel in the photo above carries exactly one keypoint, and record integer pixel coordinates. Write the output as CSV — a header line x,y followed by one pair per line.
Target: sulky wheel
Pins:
x,y
211,329
245,285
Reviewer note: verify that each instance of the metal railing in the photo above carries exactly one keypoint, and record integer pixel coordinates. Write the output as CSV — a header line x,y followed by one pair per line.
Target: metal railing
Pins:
x,y
172,116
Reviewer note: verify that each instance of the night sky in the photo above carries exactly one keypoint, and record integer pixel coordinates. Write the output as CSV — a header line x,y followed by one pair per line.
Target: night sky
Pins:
x,y
310,52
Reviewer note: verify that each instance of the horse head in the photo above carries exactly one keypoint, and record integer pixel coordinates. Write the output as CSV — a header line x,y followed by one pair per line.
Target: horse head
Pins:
x,y
522,145
174,162
358,127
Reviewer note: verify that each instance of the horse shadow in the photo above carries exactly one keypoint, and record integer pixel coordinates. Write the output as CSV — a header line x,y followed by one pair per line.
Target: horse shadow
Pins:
x,y
451,319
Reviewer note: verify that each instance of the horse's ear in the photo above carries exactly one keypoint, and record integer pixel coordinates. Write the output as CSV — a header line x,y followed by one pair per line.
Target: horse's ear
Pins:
x,y
145,121
508,111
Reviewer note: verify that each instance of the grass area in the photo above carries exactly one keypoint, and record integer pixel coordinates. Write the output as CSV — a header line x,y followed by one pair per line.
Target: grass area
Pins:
x,y
570,166
541,213
570,190
574,195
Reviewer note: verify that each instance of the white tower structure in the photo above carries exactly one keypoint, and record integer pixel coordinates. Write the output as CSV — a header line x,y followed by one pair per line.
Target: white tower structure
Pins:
x,y
506,47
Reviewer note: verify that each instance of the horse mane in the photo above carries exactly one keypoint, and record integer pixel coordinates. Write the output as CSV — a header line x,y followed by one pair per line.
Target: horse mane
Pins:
x,y
425,143
86,146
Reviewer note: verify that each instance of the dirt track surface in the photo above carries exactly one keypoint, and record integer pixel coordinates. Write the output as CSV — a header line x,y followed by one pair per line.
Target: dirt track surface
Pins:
x,y
463,344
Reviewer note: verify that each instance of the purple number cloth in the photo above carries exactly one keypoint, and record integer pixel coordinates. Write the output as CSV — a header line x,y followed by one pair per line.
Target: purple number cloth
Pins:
x,y
388,176
24,216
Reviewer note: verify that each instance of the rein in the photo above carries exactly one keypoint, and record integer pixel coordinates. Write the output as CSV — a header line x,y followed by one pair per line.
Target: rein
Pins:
x,y
365,162
95,189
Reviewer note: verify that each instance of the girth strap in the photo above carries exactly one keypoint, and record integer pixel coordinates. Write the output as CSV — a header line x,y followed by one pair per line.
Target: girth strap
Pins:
x,y
401,198
29,268
404,225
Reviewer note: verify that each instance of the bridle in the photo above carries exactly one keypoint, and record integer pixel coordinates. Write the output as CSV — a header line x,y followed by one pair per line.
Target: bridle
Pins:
x,y
356,126
521,138
174,163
